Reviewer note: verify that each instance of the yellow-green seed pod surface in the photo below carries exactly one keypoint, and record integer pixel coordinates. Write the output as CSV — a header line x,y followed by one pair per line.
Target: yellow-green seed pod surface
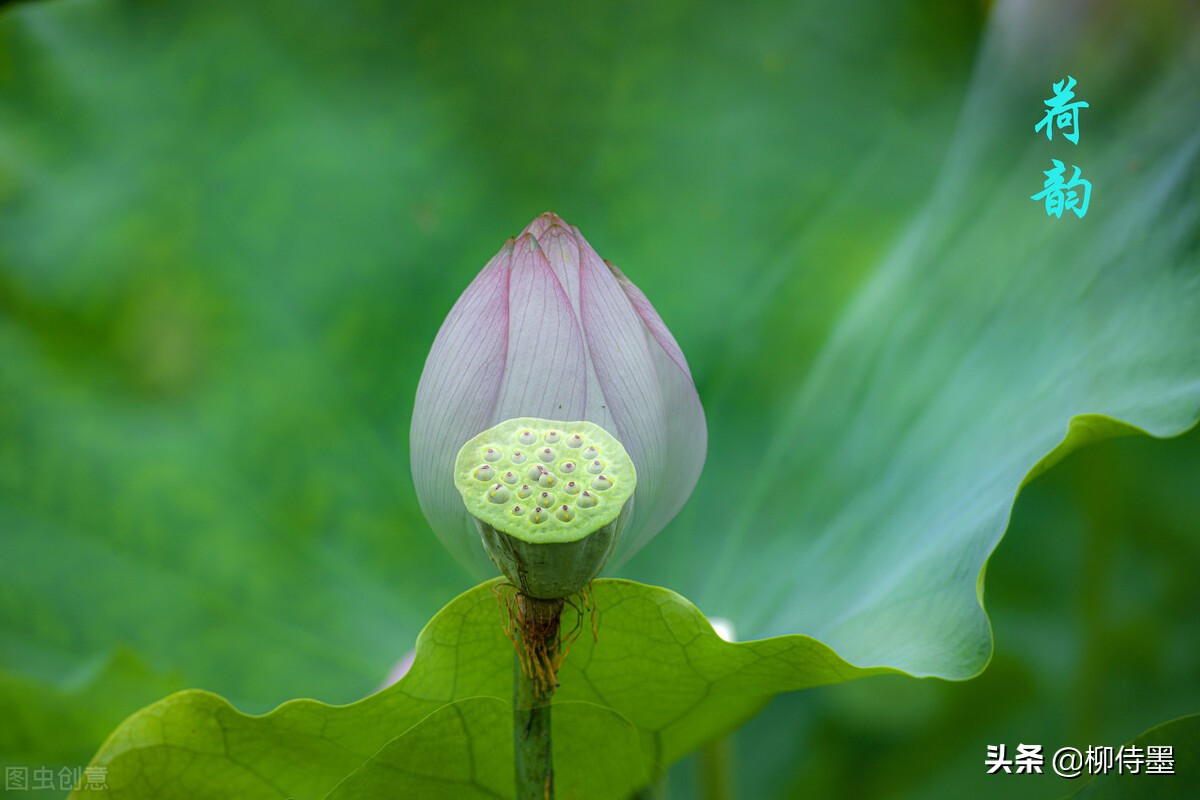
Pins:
x,y
550,499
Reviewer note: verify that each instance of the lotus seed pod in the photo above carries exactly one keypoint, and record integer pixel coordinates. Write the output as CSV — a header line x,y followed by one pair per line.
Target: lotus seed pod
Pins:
x,y
560,536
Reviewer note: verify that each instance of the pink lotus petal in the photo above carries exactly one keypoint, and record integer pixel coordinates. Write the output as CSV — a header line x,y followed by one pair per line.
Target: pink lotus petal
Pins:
x,y
545,371
653,321
399,669
455,400
562,251
687,428
542,223
628,380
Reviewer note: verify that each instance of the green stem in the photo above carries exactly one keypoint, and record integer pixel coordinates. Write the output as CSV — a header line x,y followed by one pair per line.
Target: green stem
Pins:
x,y
533,686
716,769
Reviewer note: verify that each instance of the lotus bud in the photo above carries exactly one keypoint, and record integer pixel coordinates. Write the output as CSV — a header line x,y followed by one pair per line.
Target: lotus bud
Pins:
x,y
552,334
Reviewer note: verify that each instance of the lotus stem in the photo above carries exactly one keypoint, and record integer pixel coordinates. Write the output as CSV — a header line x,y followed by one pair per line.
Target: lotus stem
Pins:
x,y
716,769
534,681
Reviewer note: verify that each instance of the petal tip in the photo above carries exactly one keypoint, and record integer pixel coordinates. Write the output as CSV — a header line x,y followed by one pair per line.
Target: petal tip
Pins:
x,y
543,223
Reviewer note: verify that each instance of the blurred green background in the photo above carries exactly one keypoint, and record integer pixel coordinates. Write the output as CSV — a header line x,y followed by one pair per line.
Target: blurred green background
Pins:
x,y
229,232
